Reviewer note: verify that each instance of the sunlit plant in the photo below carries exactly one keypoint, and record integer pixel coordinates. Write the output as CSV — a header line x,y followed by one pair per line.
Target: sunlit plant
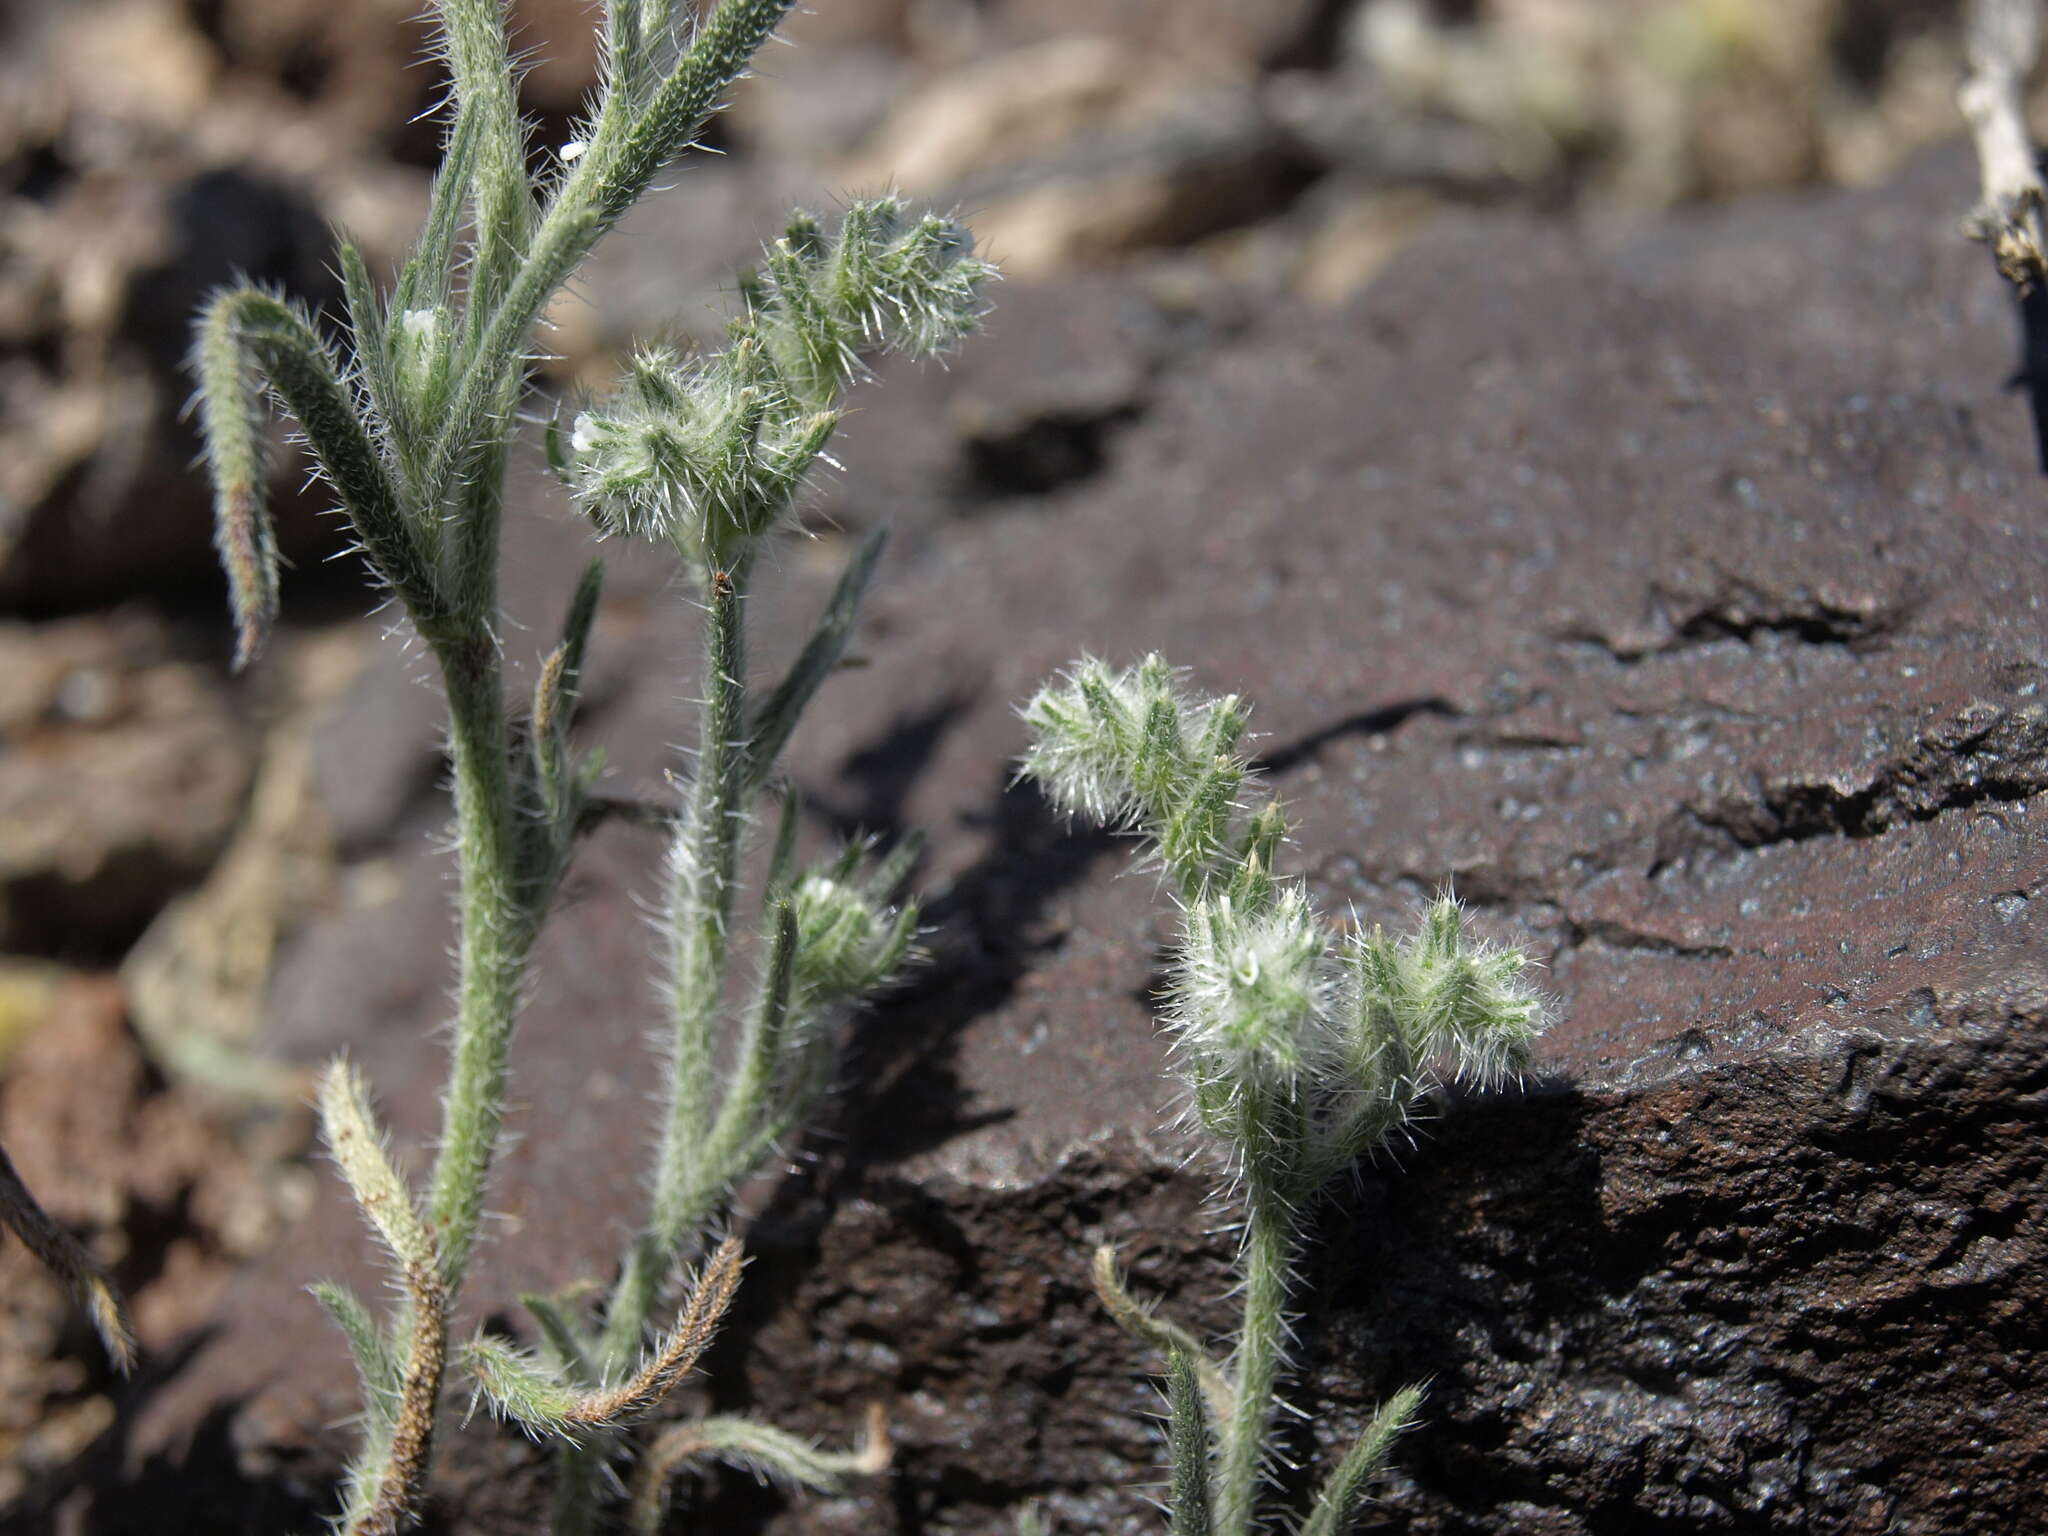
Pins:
x,y
703,454
1301,1048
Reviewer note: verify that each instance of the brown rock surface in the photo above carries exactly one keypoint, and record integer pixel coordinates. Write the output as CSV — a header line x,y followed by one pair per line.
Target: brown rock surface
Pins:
x,y
151,1183
1673,593
151,150
124,760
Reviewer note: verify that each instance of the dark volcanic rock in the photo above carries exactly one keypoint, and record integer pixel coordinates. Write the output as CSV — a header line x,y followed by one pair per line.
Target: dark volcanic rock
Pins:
x,y
1673,594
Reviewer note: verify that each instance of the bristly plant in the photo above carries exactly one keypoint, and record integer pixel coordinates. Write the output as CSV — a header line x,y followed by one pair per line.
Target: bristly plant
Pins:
x,y
1302,1048
705,455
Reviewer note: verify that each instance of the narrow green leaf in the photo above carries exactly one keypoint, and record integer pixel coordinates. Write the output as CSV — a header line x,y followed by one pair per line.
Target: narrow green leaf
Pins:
x,y
230,419
473,34
357,1146
376,1362
366,325
495,364
625,52
769,730
724,45
425,280
247,334
1337,1504
1187,1446
1143,1324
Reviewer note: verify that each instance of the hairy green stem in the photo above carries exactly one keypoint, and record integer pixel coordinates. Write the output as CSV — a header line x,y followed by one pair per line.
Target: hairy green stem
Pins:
x,y
476,533
701,895
1261,1351
496,933
700,919
746,1124
497,926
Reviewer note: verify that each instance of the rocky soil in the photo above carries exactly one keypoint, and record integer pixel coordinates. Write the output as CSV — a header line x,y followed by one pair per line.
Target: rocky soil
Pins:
x,y
1669,587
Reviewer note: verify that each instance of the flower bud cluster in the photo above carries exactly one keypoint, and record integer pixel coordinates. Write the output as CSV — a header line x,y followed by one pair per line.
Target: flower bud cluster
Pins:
x,y
706,454
1127,748
1302,1052
849,941
1251,992
1437,996
883,284
710,453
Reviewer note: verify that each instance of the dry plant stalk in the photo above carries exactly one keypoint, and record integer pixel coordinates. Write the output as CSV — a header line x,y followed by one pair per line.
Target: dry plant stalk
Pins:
x,y
65,1257
2001,42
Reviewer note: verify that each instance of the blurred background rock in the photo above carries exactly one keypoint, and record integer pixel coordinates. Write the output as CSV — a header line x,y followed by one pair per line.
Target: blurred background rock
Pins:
x,y
159,830
153,148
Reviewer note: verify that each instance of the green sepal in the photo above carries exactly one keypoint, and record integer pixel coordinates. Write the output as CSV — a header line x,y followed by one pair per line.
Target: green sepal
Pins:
x,y
551,444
